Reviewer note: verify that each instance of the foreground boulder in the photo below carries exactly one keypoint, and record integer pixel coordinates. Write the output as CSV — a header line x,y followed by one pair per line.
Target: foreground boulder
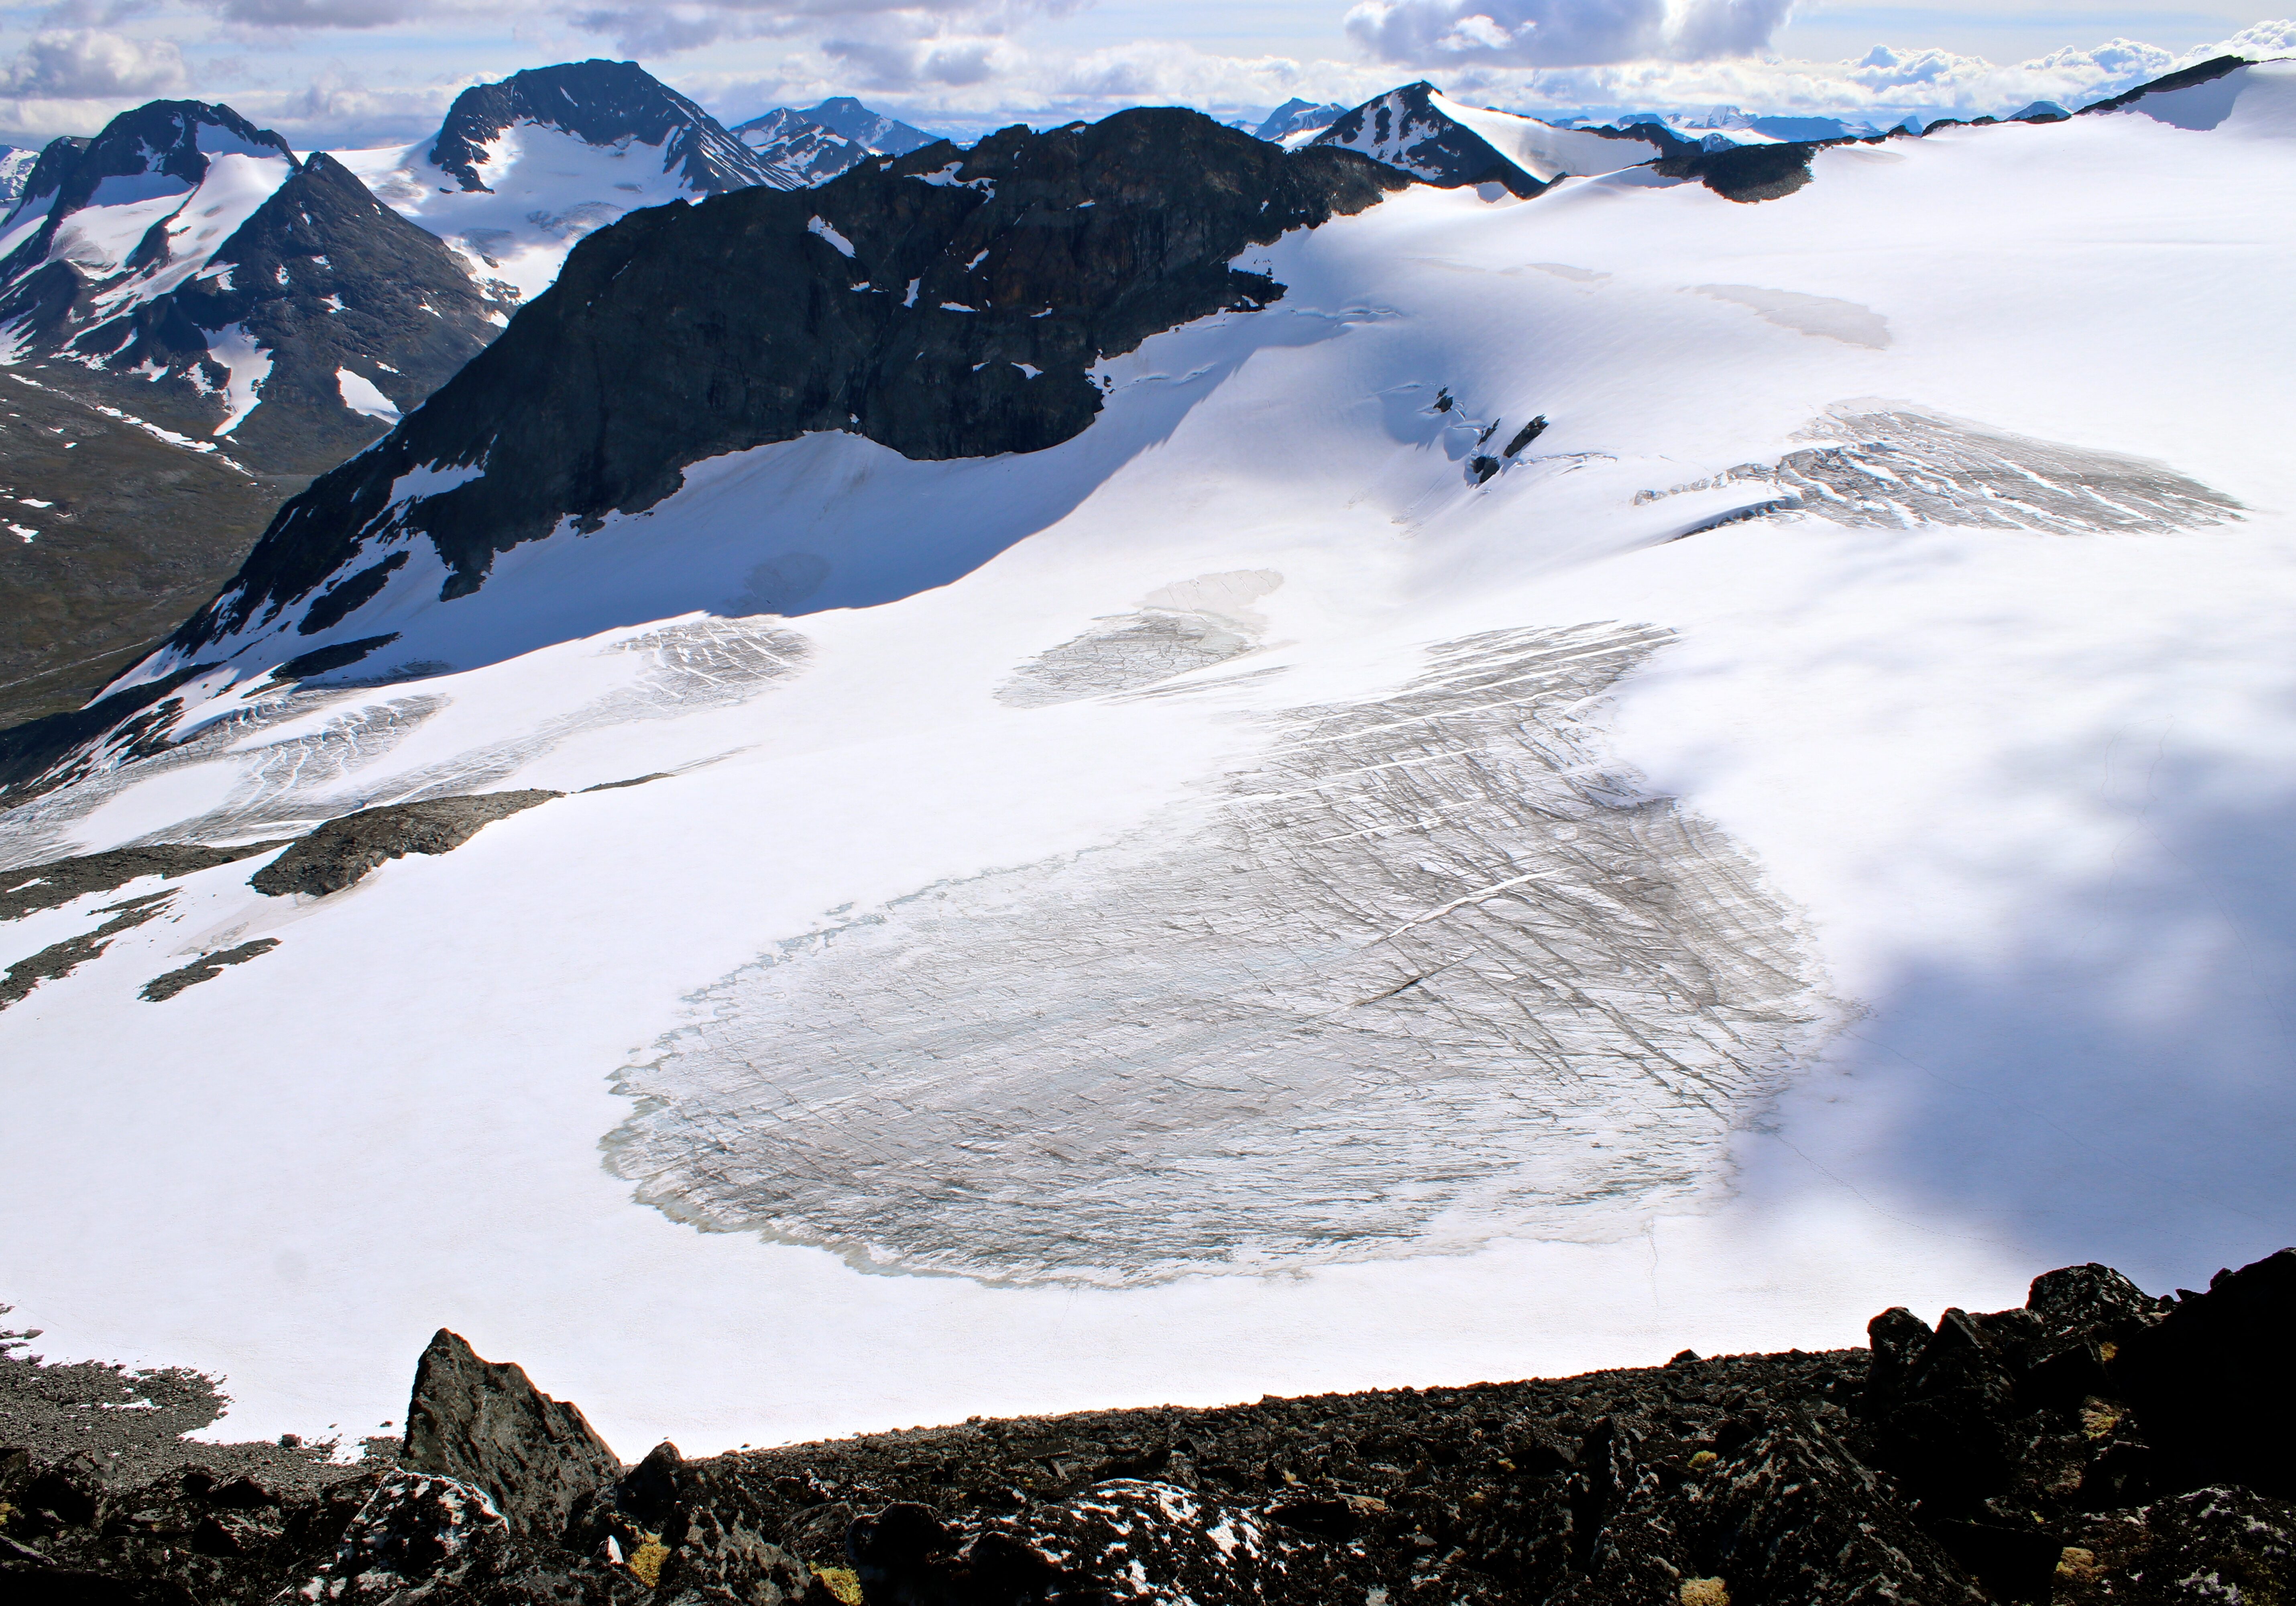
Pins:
x,y
2094,1446
483,1423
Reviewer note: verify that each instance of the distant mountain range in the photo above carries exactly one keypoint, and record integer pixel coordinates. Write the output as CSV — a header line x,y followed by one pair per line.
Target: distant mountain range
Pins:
x,y
187,297
219,311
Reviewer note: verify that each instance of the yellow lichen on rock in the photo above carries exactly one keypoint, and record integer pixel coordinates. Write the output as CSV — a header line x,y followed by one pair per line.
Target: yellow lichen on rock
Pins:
x,y
2074,1563
1703,1459
1705,1592
842,1582
647,1559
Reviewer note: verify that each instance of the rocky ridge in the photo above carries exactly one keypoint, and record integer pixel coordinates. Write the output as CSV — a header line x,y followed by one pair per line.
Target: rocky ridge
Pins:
x,y
2095,1445
944,303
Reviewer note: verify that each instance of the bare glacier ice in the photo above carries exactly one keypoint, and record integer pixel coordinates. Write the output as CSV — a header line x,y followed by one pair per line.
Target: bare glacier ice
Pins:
x,y
1888,465
1425,971
296,782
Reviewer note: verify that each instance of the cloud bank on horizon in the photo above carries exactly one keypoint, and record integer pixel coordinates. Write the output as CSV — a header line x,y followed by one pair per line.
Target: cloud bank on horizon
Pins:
x,y
344,73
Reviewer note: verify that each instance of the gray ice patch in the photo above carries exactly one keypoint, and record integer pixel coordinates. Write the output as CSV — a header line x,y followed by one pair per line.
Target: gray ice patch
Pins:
x,y
1563,270
1821,315
1428,972
1896,467
296,782
1188,625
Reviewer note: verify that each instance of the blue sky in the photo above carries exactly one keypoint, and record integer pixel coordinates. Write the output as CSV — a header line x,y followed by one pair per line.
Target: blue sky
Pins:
x,y
364,72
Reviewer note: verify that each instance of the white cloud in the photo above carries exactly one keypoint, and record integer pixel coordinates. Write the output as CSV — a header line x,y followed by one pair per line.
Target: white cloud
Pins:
x,y
90,63
1560,33
307,14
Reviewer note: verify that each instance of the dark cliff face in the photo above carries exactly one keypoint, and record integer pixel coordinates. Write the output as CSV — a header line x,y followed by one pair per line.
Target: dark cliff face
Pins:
x,y
905,296
601,102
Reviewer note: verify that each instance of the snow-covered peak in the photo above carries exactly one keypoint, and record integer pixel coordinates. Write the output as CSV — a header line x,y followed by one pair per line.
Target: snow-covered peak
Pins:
x,y
524,168
795,147
886,136
159,149
609,105
1443,141
187,269
1296,116
142,208
16,164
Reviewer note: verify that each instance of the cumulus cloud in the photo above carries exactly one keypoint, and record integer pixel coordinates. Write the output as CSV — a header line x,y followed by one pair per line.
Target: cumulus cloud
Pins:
x,y
1560,33
892,42
90,64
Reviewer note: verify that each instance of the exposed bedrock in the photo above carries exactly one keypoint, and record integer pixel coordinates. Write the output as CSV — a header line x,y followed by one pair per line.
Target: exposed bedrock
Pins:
x,y
944,303
2097,1445
342,851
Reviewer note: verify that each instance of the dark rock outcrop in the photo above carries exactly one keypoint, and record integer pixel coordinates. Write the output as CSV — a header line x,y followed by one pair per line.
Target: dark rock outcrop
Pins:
x,y
414,1530
342,851
600,102
947,272
1165,1542
2213,1381
1743,172
160,989
57,882
60,959
483,1423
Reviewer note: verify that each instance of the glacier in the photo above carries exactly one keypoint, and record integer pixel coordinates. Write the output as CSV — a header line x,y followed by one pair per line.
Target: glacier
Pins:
x,y
1245,899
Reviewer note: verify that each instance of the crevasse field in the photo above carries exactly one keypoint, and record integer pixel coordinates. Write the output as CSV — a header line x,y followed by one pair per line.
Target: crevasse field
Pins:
x,y
1240,903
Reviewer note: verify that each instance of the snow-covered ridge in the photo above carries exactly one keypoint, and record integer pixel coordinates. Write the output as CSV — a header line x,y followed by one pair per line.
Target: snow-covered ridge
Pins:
x,y
523,169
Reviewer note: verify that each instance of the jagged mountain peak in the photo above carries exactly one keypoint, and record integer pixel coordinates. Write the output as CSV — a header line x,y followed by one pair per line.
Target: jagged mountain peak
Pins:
x,y
600,102
1297,116
1421,131
843,115
792,145
160,148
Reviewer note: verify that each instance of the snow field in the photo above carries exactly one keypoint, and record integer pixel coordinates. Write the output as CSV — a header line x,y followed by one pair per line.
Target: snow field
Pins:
x,y
545,190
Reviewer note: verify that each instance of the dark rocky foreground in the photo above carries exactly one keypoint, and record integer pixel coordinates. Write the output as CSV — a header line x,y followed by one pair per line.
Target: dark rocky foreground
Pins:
x,y
2096,1446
